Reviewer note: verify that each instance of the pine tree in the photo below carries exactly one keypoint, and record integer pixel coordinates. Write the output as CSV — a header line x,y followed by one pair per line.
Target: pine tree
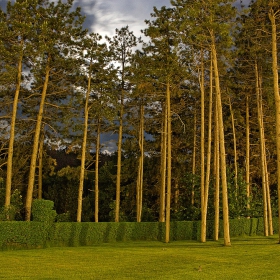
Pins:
x,y
121,45
207,25
16,32
274,16
163,48
57,31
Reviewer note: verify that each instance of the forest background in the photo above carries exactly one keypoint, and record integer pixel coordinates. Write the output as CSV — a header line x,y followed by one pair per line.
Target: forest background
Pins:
x,y
193,105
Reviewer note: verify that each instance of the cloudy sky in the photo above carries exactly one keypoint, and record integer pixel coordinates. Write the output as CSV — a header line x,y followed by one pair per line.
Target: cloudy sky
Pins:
x,y
104,16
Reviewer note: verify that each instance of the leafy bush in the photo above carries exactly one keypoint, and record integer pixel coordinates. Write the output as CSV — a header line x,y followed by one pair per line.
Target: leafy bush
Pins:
x,y
12,212
7,213
42,210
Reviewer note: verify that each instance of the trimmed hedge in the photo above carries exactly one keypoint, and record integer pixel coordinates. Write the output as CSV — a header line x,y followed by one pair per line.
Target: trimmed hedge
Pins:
x,y
84,234
23,235
29,235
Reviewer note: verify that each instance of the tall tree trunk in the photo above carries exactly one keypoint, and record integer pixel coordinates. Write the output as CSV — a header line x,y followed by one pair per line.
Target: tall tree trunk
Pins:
x,y
208,164
269,209
119,163
169,145
217,173
202,155
163,165
235,150
32,170
12,135
247,164
140,165
84,149
272,17
96,183
260,121
222,146
268,228
40,166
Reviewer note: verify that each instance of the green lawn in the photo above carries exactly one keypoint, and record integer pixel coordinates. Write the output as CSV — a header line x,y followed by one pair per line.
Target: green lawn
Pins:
x,y
247,258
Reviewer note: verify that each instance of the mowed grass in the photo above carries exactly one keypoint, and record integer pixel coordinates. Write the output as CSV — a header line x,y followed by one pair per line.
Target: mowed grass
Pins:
x,y
247,258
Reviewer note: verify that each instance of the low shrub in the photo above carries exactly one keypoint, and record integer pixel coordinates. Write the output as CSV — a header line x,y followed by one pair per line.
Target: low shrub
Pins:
x,y
42,210
8,213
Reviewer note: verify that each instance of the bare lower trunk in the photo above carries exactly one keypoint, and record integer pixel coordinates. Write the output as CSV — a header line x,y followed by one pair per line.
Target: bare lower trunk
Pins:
x,y
84,149
272,17
269,210
12,136
262,148
217,174
235,151
208,165
163,166
32,170
119,163
248,190
96,183
222,147
168,195
140,166
202,161
40,168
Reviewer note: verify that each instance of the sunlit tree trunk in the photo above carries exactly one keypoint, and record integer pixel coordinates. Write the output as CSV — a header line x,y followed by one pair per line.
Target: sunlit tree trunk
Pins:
x,y
140,165
247,164
32,172
12,135
40,167
121,47
269,209
217,174
262,148
222,145
119,163
96,183
168,194
202,154
84,149
235,150
272,16
266,188
208,164
163,165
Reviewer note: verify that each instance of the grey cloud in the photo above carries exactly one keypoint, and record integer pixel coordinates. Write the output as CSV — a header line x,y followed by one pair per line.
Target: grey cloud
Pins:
x,y
3,4
88,7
